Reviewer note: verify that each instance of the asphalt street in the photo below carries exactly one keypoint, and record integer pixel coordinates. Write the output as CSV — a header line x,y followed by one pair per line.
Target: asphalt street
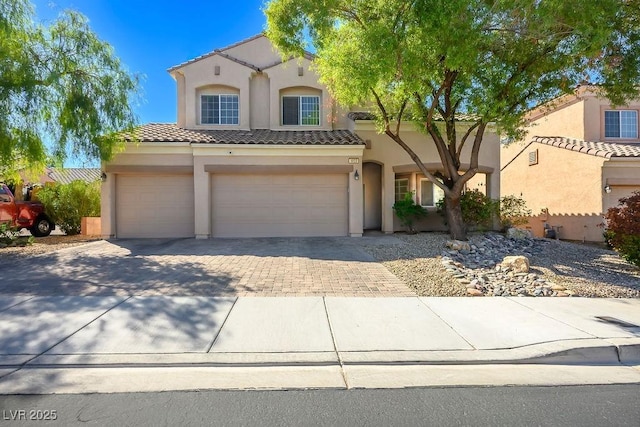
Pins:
x,y
611,405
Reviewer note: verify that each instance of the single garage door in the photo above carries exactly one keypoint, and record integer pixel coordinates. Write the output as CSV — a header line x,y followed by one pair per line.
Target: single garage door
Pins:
x,y
154,206
279,205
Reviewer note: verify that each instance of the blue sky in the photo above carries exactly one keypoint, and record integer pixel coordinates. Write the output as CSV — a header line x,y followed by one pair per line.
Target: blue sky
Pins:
x,y
151,36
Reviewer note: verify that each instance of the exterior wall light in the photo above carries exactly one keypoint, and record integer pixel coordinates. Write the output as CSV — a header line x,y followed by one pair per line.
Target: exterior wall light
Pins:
x,y
607,189
356,175
103,177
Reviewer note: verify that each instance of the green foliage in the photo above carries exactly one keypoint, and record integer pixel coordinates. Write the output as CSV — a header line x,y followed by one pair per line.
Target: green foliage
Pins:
x,y
623,228
59,83
408,212
513,212
478,210
433,61
10,236
66,204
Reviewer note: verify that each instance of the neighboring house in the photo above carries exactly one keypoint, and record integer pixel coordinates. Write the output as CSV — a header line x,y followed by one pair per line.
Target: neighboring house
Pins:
x,y
579,157
260,149
53,175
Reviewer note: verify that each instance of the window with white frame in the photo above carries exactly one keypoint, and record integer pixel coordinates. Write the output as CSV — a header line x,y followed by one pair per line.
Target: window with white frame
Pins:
x,y
430,194
621,124
301,110
401,188
219,109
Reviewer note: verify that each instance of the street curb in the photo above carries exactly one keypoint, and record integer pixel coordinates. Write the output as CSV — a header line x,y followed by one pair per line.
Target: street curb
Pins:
x,y
617,351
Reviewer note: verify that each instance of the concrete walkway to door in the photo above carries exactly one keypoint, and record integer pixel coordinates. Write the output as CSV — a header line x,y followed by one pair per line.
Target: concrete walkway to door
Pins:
x,y
216,267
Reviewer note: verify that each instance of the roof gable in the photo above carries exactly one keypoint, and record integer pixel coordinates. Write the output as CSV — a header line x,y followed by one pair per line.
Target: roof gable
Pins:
x,y
256,52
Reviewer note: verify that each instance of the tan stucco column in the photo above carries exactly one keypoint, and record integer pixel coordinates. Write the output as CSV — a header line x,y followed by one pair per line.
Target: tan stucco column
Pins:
x,y
388,198
202,201
356,213
108,207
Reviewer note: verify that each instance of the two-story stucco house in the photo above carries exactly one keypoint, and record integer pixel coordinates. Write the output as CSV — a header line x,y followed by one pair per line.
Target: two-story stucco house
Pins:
x,y
579,157
260,149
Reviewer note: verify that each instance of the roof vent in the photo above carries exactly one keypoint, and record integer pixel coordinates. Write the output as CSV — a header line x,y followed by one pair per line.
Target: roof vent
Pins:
x,y
533,157
216,70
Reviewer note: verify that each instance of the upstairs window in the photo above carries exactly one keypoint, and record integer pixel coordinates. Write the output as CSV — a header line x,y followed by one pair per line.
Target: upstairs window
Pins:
x,y
621,124
219,109
300,110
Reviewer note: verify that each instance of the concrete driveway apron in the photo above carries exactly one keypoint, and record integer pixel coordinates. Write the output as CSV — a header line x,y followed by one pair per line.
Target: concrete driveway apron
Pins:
x,y
216,267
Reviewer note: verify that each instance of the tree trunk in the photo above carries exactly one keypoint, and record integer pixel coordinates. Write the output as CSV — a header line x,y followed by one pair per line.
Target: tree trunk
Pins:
x,y
457,228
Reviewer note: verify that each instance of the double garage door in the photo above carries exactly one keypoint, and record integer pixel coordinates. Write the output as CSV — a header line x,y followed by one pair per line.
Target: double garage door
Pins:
x,y
272,205
266,205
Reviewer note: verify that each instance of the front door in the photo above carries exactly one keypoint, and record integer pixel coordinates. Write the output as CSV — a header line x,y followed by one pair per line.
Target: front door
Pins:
x,y
372,193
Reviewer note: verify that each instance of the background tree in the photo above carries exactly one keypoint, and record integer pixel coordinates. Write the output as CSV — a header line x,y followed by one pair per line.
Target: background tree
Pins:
x,y
435,62
59,85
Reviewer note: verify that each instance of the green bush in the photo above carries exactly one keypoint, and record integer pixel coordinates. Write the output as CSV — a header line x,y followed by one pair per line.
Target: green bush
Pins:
x,y
408,212
66,204
513,212
623,228
10,236
477,209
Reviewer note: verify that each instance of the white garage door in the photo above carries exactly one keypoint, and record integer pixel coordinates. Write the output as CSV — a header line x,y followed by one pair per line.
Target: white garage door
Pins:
x,y
279,205
154,206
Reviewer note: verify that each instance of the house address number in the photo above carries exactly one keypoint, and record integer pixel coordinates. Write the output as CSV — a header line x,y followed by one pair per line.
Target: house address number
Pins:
x,y
354,160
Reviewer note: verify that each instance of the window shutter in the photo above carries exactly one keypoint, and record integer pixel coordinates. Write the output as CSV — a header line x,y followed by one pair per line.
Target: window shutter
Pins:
x,y
290,110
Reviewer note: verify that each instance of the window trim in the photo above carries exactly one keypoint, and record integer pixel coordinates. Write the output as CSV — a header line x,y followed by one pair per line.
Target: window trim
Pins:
x,y
620,137
300,97
201,121
395,187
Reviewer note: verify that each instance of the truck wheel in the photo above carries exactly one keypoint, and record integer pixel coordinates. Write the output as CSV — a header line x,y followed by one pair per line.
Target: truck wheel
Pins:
x,y
41,228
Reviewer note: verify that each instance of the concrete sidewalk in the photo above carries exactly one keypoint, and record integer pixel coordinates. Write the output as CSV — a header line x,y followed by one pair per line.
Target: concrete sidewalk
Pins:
x,y
47,343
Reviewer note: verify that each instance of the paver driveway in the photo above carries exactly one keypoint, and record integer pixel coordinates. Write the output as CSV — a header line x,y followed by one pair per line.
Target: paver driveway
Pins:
x,y
217,267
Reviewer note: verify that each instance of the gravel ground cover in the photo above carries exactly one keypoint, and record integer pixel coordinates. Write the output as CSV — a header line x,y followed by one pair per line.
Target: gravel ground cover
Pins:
x,y
44,245
584,270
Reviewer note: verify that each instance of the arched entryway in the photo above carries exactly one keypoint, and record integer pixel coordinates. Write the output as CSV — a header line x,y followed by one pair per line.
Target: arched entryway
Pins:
x,y
372,195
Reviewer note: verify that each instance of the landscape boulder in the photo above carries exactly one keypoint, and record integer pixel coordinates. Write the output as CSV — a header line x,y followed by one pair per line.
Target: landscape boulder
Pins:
x,y
515,263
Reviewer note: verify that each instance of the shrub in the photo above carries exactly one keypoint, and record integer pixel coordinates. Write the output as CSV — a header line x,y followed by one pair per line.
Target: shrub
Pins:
x,y
10,236
408,212
66,204
513,212
623,228
477,209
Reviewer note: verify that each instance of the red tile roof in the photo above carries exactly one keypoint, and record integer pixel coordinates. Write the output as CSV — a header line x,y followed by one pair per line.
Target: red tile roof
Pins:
x,y
600,149
166,132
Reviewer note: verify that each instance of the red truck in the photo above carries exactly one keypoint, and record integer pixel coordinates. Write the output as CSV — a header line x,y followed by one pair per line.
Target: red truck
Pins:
x,y
21,214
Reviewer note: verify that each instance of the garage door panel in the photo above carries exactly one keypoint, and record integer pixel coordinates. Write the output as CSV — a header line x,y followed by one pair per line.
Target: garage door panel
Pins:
x,y
279,205
154,206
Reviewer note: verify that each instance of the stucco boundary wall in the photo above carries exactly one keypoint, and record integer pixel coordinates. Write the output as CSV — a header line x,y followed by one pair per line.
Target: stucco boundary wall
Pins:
x,y
580,227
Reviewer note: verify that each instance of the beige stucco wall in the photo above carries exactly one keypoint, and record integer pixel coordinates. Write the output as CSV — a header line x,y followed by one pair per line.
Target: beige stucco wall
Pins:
x,y
285,79
260,92
233,78
258,52
565,183
389,154
594,118
566,120
181,158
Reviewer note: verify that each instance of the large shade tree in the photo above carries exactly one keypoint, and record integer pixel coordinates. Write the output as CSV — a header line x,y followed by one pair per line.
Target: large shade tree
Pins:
x,y
436,62
62,90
